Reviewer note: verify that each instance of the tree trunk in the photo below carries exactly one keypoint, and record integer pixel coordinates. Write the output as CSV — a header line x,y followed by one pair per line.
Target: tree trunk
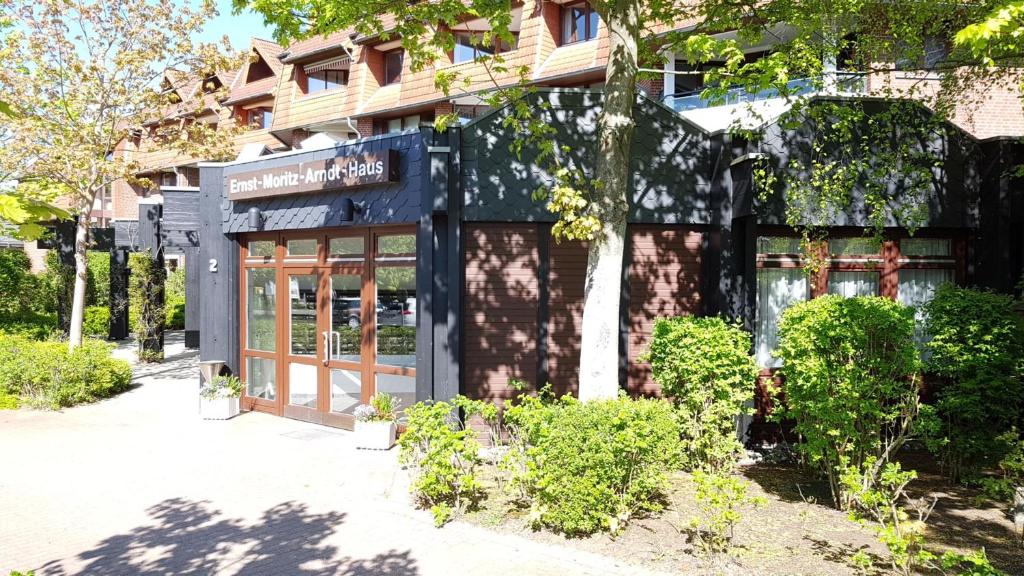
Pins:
x,y
599,349
81,275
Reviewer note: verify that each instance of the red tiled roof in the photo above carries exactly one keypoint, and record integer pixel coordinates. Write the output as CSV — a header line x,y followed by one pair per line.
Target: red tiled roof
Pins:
x,y
314,46
252,90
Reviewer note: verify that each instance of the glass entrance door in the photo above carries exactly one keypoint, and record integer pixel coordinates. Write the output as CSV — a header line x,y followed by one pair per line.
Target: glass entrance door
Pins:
x,y
330,319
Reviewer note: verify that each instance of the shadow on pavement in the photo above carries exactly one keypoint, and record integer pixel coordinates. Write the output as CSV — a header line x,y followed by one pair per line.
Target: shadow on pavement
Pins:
x,y
187,536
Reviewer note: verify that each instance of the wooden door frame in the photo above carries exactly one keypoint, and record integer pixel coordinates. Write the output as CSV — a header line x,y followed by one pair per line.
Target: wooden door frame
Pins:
x,y
324,267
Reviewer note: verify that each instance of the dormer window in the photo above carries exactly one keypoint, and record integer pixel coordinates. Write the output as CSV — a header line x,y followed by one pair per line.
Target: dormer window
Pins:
x,y
579,23
325,80
470,45
211,85
258,70
325,75
393,66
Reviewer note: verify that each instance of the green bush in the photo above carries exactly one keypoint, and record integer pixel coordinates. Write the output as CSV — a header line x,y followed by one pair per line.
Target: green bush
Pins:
x,y
97,321
29,323
46,375
174,290
443,456
591,466
850,369
146,296
97,285
978,346
17,284
704,365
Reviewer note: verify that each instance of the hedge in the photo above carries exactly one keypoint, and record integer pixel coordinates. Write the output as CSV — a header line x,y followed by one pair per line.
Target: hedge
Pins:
x,y
46,375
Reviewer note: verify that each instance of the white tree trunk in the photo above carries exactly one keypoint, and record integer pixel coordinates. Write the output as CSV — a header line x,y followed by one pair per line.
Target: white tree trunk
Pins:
x,y
599,349
81,275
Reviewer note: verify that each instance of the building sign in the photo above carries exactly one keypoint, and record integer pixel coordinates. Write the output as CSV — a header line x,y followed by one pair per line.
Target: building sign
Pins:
x,y
315,176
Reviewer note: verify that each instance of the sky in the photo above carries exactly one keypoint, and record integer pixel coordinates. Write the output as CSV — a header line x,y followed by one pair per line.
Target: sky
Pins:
x,y
238,28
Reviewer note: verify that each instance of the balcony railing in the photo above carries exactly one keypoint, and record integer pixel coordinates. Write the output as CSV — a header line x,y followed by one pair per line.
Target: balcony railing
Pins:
x,y
846,83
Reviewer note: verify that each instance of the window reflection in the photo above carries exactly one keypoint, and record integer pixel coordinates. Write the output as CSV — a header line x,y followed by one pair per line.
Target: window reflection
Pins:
x,y
302,295
396,316
346,316
261,330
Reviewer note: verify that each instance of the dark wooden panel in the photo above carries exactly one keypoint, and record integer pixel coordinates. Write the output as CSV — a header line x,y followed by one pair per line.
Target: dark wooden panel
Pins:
x,y
500,308
664,280
568,267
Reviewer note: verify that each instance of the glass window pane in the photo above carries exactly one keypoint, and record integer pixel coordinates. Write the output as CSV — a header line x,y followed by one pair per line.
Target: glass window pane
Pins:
x,y
345,316
778,245
854,246
401,387
302,384
925,247
394,125
396,316
917,288
402,244
351,246
850,284
260,376
260,317
592,24
346,391
302,290
304,247
777,289
262,248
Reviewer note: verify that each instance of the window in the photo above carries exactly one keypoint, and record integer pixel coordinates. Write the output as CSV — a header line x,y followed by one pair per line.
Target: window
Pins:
x,y
261,118
393,66
579,23
470,45
325,80
856,266
934,51
777,289
395,125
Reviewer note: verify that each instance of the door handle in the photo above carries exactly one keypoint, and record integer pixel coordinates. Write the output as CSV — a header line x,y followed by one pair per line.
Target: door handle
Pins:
x,y
327,347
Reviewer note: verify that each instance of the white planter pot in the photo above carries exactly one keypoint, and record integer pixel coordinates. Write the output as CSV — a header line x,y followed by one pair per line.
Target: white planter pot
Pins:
x,y
375,435
219,409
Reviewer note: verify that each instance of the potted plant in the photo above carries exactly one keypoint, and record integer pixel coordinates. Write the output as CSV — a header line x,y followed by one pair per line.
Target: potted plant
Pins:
x,y
375,423
218,400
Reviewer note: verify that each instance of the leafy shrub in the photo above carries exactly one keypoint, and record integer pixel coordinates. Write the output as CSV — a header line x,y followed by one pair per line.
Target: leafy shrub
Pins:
x,y
17,284
850,385
22,310
718,497
591,466
28,323
97,284
978,345
146,293
704,365
46,375
175,300
97,321
443,456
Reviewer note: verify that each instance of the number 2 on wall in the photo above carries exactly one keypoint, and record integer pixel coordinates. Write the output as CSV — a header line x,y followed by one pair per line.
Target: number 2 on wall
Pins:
x,y
213,264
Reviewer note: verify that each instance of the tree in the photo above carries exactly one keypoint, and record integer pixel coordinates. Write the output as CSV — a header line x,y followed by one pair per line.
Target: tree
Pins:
x,y
81,76
810,39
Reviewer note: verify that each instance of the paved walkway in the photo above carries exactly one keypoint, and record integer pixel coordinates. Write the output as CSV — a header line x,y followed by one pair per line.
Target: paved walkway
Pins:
x,y
139,484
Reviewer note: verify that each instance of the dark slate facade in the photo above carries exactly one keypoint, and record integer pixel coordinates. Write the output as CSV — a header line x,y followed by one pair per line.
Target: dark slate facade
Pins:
x,y
393,203
672,162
